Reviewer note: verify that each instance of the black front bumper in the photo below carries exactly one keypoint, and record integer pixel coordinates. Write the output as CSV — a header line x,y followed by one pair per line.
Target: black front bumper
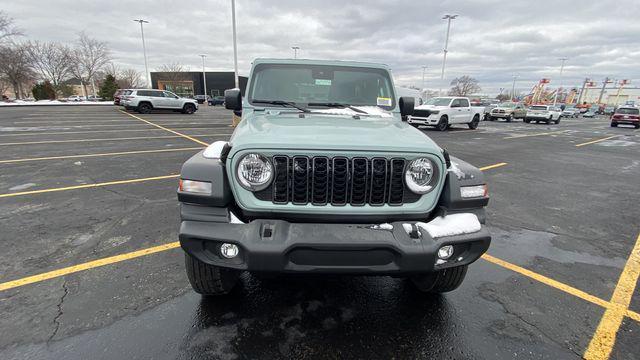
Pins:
x,y
279,246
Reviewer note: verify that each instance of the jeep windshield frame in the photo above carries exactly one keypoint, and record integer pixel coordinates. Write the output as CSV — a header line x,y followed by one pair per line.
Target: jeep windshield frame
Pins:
x,y
313,85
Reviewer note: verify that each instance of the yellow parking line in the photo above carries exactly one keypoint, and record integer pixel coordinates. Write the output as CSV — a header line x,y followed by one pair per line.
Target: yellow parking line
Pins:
x,y
493,166
633,315
98,155
86,186
596,141
104,139
536,134
546,280
166,129
101,131
86,266
604,338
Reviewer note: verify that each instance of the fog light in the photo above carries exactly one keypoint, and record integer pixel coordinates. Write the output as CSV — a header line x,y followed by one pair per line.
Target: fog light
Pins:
x,y
445,252
229,250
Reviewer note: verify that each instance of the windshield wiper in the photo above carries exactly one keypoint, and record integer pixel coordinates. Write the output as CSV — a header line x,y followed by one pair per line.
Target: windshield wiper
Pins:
x,y
339,105
282,103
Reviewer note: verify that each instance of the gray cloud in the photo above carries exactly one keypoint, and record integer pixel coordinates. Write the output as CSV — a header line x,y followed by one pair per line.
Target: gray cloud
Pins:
x,y
491,40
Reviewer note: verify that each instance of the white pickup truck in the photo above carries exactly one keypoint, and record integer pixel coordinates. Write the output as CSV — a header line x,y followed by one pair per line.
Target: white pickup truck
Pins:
x,y
442,112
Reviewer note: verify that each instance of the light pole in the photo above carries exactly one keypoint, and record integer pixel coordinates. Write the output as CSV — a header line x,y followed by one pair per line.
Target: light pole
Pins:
x,y
295,51
446,45
235,45
423,92
555,98
144,50
513,86
204,76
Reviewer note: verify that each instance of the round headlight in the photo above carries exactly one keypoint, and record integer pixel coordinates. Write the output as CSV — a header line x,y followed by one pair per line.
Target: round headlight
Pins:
x,y
254,172
420,176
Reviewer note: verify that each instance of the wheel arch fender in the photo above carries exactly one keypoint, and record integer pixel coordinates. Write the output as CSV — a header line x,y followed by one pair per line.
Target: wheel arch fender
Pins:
x,y
212,170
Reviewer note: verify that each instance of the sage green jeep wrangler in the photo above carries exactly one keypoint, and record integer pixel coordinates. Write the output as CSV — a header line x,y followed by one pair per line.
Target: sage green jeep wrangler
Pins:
x,y
324,175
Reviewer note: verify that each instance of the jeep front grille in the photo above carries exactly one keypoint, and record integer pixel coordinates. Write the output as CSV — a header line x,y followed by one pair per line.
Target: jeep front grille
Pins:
x,y
338,181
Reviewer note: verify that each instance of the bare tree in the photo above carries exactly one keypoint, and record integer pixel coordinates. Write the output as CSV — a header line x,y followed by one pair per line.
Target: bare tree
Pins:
x,y
7,29
51,60
464,86
89,57
129,79
173,72
16,67
112,69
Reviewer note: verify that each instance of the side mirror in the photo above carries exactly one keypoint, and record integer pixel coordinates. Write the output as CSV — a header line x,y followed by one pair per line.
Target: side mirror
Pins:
x,y
406,106
233,99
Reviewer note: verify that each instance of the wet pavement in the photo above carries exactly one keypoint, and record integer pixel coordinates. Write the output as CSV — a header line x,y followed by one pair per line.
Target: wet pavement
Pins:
x,y
565,212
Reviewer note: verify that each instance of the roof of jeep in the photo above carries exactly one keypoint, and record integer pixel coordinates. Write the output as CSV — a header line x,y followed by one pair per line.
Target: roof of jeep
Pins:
x,y
320,62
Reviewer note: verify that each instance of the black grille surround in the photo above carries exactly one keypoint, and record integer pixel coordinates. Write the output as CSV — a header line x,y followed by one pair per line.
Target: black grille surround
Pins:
x,y
338,181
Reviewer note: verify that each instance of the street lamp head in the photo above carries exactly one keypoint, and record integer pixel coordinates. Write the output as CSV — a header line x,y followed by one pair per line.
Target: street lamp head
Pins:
x,y
448,16
295,47
141,21
202,55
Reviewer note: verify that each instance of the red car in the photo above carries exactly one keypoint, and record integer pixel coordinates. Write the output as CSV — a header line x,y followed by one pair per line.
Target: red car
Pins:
x,y
626,115
117,96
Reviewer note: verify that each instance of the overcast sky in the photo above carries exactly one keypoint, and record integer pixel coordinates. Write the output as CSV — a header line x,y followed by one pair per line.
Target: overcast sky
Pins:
x,y
490,40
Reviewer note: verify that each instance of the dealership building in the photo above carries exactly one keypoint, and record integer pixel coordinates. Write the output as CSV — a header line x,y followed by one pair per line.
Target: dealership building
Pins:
x,y
190,83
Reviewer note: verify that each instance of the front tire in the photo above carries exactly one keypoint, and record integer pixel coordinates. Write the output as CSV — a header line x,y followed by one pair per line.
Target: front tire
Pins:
x,y
443,124
474,123
509,118
526,120
144,108
209,280
189,109
440,281
557,121
614,124
549,120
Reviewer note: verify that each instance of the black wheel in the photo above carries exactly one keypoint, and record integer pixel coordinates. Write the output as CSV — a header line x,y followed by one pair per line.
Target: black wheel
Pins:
x,y
537,121
440,281
189,108
526,120
557,121
474,123
509,118
549,120
415,125
491,118
443,124
637,126
614,124
208,279
144,108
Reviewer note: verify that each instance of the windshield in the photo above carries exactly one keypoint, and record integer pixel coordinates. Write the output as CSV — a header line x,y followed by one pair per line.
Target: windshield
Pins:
x,y
438,101
628,111
321,84
507,105
538,107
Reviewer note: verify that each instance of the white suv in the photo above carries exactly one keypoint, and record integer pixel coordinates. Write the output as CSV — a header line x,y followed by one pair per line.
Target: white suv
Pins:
x,y
145,100
546,113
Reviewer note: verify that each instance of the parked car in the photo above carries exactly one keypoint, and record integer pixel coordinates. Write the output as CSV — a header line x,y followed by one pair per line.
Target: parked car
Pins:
x,y
508,111
589,114
75,98
626,115
609,110
202,98
571,111
216,100
146,100
340,184
94,98
118,95
546,113
442,112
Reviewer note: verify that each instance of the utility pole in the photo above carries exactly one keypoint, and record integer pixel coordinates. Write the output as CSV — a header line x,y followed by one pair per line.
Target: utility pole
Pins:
x,y
295,51
555,97
235,44
204,76
144,50
424,90
446,47
513,86
604,85
584,85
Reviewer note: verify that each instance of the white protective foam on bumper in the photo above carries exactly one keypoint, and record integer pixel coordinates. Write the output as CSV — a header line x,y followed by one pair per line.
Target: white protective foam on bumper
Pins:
x,y
450,225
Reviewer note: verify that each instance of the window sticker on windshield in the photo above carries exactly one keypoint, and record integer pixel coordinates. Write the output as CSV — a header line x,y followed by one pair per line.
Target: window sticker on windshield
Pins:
x,y
326,82
382,101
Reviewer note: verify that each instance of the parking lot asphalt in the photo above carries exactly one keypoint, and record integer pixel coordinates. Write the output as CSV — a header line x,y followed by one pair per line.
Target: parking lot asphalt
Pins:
x,y
87,184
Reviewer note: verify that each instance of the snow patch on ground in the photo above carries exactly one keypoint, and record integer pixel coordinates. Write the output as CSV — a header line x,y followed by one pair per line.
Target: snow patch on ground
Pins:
x,y
22,187
77,163
450,225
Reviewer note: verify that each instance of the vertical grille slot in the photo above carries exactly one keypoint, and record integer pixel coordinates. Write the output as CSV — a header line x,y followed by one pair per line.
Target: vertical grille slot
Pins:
x,y
339,181
320,180
378,181
300,180
359,178
281,180
396,184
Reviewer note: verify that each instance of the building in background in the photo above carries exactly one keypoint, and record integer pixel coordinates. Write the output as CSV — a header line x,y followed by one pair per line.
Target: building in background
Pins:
x,y
191,83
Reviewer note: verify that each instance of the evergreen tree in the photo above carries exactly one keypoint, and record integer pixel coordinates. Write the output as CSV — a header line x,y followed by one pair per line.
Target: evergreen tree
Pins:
x,y
108,88
44,91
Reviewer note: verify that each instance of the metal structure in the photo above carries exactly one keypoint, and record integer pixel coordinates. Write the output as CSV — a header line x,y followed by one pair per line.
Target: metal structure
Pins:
x,y
622,83
204,76
144,50
447,17
604,85
555,97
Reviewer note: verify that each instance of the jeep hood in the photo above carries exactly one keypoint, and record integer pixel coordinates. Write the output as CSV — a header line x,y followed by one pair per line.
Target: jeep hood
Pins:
x,y
287,130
